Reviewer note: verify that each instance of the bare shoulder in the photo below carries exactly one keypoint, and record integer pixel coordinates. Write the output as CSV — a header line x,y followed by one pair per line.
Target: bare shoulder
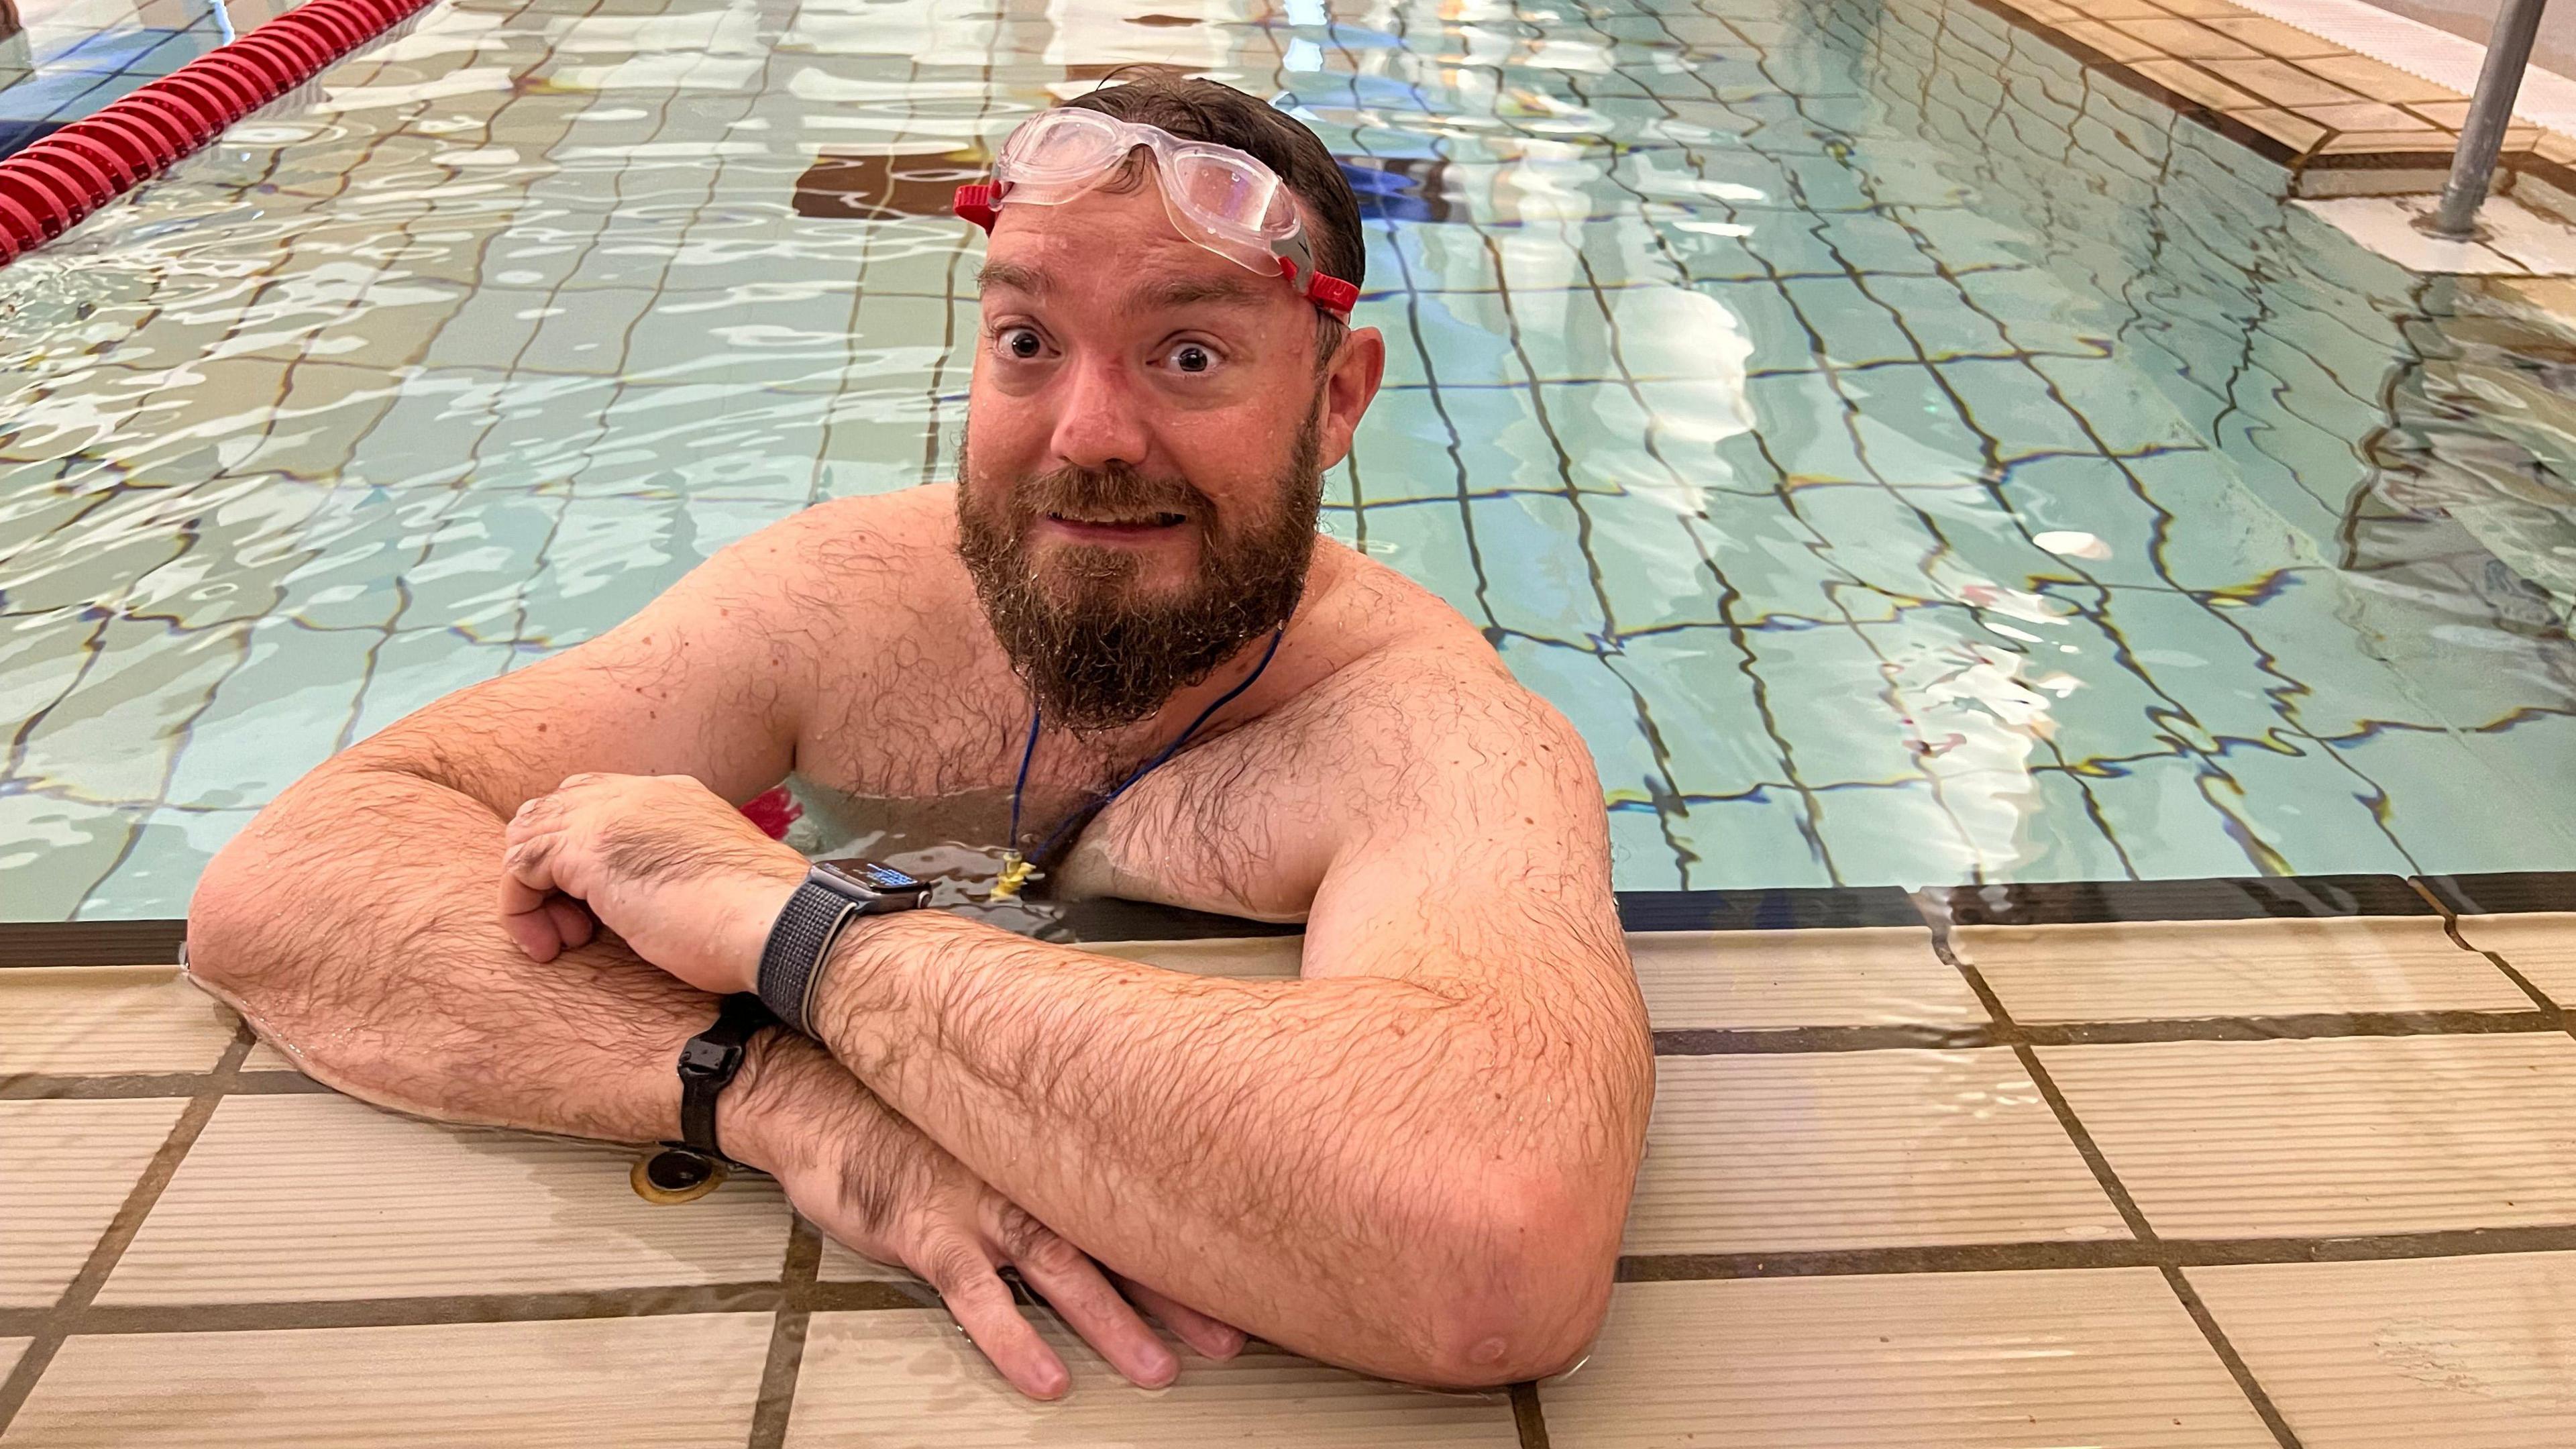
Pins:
x,y
1424,699
859,550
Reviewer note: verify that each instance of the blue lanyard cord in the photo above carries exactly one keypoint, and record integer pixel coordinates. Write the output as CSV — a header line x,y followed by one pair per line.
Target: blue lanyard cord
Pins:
x,y
1029,752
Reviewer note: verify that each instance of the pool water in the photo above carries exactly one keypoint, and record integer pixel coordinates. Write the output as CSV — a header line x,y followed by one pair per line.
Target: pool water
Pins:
x,y
1907,457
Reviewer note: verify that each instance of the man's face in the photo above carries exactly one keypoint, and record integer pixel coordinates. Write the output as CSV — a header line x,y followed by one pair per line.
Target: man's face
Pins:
x,y
1144,451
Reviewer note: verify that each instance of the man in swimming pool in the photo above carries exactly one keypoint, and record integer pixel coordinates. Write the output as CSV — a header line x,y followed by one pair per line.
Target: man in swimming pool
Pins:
x,y
1415,1160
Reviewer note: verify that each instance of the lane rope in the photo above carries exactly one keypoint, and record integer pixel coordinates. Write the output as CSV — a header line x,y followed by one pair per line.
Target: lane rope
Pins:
x,y
47,188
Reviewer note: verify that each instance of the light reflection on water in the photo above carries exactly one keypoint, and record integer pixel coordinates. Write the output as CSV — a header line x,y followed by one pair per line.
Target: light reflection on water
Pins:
x,y
1895,478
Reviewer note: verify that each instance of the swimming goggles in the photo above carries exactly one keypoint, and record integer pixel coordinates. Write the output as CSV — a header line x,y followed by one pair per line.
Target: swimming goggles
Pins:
x,y
1219,197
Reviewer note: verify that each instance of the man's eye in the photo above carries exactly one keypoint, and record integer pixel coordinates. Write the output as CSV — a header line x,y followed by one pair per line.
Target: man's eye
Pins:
x,y
1191,357
1022,343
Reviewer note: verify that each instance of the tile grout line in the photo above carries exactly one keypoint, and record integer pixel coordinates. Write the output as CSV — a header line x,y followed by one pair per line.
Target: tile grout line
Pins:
x,y
1936,915
2451,927
795,1311
121,1229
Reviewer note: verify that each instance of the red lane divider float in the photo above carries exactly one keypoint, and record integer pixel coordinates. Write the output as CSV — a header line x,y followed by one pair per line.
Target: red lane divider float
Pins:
x,y
48,187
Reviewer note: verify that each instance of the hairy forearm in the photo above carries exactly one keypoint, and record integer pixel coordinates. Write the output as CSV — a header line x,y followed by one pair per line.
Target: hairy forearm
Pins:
x,y
353,923
1331,1163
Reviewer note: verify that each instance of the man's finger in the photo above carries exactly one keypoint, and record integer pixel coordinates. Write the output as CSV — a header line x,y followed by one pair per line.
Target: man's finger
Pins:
x,y
1203,1334
1074,1286
573,922
983,1307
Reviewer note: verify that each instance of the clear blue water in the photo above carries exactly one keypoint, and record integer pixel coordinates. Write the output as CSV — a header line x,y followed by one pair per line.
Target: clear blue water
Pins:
x,y
1906,457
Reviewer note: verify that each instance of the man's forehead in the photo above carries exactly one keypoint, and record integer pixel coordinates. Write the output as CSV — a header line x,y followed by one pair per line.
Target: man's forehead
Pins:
x,y
1152,288
1125,237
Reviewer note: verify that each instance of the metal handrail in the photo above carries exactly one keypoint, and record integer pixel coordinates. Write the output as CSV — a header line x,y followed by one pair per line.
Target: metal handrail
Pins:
x,y
2490,111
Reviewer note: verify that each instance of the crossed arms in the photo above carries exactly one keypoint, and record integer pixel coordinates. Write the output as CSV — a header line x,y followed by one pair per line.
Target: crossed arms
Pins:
x,y
1415,1160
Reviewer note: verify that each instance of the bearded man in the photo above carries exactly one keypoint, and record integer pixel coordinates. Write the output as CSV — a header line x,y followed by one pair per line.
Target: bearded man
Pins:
x,y
1117,645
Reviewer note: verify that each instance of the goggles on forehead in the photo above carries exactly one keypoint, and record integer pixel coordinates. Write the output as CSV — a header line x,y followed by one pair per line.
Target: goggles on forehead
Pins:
x,y
1219,197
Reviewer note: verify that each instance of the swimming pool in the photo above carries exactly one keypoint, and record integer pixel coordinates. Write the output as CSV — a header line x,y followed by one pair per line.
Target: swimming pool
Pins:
x,y
1906,458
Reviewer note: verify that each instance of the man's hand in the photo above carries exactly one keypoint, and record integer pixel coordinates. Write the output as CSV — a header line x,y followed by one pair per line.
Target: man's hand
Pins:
x,y
876,1183
661,860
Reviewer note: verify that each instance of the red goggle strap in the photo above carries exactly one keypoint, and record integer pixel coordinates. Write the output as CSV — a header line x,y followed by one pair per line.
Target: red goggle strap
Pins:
x,y
975,203
1330,293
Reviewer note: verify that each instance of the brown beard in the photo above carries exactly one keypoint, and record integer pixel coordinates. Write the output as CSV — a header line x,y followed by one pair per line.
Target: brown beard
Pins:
x,y
1095,657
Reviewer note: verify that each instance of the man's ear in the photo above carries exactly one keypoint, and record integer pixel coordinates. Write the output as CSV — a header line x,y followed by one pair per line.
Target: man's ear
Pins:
x,y
1350,383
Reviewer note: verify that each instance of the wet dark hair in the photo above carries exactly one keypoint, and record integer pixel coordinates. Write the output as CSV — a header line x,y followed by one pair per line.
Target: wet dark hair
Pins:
x,y
1195,109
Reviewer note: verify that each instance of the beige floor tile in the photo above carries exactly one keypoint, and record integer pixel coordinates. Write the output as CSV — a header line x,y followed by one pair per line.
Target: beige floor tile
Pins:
x,y
1250,957
1791,1151
2542,946
266,1058
840,1265
1926,1361
2291,131
2133,971
69,1165
683,1381
73,1020
311,1197
1864,976
2340,1135
900,1379
2464,1353
10,1348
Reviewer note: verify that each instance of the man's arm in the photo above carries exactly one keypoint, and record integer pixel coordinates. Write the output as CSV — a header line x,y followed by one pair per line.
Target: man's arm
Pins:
x,y
353,924
1417,1160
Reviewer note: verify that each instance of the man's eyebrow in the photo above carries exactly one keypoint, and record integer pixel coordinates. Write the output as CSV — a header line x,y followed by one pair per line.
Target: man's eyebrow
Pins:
x,y
1235,291
1013,276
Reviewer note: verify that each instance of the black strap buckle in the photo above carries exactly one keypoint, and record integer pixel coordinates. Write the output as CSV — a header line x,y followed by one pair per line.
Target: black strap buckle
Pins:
x,y
695,1165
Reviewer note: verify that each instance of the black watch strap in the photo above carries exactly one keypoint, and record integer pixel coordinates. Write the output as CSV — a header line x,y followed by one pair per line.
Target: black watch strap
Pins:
x,y
708,1063
834,893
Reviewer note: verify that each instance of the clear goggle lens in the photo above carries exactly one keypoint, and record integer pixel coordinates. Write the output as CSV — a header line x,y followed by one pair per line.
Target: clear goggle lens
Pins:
x,y
1217,196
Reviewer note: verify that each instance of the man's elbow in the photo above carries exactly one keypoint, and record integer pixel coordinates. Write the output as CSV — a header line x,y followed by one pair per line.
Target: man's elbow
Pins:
x,y
1539,1258
226,922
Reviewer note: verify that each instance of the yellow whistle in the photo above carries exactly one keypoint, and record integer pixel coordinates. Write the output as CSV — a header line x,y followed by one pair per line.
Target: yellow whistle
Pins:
x,y
1015,874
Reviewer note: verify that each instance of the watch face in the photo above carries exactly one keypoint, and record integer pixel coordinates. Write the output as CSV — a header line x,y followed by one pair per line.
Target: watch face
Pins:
x,y
881,879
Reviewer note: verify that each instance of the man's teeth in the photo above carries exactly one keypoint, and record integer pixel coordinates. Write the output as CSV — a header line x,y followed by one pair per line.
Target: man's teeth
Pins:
x,y
1162,520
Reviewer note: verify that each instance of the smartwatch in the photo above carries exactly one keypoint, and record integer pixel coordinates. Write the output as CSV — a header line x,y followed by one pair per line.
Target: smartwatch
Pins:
x,y
835,893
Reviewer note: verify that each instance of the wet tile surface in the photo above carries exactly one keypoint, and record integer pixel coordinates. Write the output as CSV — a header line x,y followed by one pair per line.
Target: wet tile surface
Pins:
x,y
1798,1187
1994,1360
2541,946
2468,1353
2180,969
109,1019
2352,1135
901,1378
681,1381
1863,976
293,1198
74,1162
1851,1149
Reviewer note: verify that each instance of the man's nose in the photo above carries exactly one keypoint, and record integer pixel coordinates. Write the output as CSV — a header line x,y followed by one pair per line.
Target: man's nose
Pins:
x,y
1101,419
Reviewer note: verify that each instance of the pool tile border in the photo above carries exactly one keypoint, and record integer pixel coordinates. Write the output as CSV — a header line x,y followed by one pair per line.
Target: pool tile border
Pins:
x,y
2290,97
796,1293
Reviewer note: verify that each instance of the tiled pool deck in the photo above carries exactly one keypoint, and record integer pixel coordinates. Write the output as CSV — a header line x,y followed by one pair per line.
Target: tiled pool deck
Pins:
x,y
2196,1164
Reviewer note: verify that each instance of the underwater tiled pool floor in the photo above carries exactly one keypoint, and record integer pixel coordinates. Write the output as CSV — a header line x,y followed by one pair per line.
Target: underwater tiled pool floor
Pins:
x,y
1908,453
2270,1163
